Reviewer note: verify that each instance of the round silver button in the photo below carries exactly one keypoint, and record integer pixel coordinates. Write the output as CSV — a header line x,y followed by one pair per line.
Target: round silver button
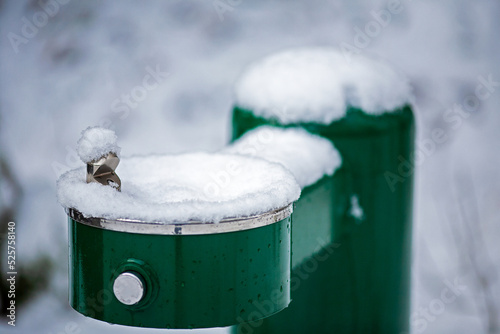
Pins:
x,y
128,288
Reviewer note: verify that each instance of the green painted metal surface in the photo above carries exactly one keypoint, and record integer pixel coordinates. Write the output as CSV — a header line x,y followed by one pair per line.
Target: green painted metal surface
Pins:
x,y
192,281
358,281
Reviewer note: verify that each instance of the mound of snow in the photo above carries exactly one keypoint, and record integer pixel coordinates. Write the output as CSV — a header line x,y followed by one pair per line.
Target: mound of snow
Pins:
x,y
177,188
95,143
317,85
309,157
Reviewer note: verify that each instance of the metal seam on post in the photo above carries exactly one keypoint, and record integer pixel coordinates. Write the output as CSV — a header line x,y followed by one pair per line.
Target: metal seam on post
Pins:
x,y
183,228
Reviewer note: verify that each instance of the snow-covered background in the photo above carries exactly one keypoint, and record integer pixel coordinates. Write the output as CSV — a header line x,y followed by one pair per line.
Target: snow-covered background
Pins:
x,y
160,73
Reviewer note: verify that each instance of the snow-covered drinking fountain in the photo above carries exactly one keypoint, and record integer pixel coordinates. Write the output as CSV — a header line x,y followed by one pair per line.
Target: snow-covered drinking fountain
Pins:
x,y
190,241
201,240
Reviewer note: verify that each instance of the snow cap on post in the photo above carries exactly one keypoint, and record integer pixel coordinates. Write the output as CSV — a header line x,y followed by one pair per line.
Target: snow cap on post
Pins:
x,y
309,157
95,143
318,85
206,187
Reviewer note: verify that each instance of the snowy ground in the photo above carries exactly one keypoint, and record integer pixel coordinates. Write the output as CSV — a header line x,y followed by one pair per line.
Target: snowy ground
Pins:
x,y
73,71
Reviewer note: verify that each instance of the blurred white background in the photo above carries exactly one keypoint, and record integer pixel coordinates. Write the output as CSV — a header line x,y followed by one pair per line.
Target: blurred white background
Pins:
x,y
85,65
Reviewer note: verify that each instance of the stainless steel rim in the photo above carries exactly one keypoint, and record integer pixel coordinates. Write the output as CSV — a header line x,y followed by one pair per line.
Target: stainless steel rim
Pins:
x,y
183,228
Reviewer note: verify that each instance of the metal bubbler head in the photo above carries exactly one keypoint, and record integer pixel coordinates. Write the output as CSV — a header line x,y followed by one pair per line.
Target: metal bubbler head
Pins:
x,y
103,171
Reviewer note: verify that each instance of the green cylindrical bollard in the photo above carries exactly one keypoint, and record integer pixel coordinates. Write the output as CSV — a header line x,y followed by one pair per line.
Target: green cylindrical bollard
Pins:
x,y
359,282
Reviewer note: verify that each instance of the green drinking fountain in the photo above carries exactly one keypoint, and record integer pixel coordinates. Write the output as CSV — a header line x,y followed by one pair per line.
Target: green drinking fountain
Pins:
x,y
192,240
200,240
363,107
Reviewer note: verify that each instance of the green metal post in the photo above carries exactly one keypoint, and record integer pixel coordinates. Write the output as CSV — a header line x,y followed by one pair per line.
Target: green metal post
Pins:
x,y
190,281
358,281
